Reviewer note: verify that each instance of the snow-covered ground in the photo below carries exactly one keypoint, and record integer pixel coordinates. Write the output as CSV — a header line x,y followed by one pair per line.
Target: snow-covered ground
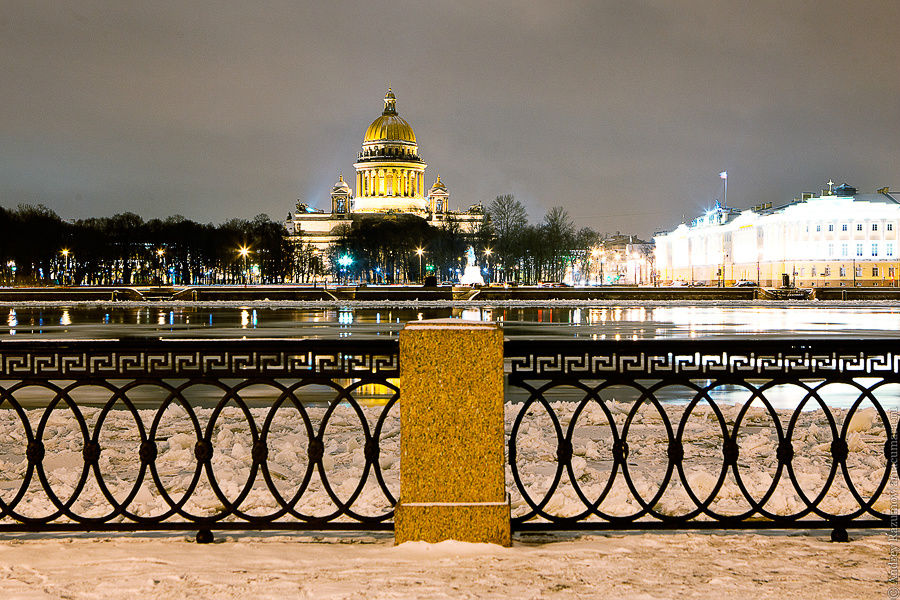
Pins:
x,y
369,566
624,567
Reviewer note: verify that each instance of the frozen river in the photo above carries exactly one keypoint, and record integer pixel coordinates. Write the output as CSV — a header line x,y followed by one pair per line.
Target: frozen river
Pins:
x,y
531,320
522,320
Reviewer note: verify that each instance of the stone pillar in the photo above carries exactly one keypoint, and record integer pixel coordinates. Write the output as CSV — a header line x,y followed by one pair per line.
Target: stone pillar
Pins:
x,y
452,459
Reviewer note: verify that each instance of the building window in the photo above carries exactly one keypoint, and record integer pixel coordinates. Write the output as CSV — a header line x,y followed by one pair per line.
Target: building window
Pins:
x,y
843,271
827,271
844,251
807,229
874,271
830,250
890,226
874,226
891,272
859,271
859,226
813,272
844,227
818,228
875,249
889,250
831,227
859,250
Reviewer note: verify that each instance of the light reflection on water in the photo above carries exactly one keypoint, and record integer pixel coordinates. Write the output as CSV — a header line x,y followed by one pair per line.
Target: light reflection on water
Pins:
x,y
592,322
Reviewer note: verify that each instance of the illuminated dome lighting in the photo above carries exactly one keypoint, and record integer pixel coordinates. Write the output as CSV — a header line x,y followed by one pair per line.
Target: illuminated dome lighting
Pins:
x,y
390,175
389,127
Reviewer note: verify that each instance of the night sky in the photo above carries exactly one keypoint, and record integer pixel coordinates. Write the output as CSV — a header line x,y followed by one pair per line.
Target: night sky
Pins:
x,y
624,113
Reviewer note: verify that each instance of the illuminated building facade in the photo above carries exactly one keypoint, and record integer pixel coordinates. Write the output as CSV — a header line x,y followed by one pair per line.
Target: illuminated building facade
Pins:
x,y
839,238
390,179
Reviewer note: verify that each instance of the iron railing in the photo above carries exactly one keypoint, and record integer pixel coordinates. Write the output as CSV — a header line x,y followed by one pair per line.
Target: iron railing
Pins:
x,y
122,435
707,414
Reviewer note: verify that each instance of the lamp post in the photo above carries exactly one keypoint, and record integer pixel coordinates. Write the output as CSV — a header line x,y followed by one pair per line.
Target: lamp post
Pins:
x,y
65,253
345,260
487,259
244,251
160,252
420,251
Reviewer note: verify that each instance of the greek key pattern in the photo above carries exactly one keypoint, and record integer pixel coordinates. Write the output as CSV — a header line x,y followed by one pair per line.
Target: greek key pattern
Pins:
x,y
239,358
697,359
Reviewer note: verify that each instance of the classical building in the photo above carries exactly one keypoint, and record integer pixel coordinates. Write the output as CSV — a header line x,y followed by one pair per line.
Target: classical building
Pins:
x,y
390,179
839,238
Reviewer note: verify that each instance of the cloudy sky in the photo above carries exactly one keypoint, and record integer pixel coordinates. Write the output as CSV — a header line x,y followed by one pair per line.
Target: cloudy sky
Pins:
x,y
622,112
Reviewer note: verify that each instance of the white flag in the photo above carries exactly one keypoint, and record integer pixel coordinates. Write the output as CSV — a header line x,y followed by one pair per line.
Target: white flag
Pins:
x,y
723,175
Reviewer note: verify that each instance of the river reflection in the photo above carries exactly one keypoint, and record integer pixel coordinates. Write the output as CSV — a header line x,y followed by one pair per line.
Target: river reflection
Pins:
x,y
612,322
592,322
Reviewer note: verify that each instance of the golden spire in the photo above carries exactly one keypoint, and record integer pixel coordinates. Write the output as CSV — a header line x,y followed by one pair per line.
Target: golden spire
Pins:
x,y
341,176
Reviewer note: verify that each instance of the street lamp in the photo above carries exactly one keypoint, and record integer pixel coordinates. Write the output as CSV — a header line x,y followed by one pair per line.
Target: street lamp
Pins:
x,y
420,251
345,260
487,258
244,251
65,253
160,252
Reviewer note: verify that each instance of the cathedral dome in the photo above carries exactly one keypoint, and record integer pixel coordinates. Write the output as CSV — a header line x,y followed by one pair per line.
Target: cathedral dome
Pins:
x,y
389,127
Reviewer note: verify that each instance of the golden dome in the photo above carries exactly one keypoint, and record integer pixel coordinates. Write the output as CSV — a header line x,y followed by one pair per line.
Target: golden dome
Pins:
x,y
389,127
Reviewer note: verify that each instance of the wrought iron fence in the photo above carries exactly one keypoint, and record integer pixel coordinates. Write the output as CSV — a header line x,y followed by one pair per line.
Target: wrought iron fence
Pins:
x,y
126,435
662,434
144,434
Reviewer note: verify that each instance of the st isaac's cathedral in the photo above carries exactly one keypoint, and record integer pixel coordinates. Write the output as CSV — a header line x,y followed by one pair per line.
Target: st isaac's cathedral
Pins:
x,y
390,179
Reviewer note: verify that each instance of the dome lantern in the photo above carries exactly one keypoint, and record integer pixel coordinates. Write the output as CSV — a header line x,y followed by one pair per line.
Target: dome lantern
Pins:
x,y
390,103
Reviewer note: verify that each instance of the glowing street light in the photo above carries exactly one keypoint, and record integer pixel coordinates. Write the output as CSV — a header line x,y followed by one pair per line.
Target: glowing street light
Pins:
x,y
487,258
160,252
244,251
345,260
420,251
65,253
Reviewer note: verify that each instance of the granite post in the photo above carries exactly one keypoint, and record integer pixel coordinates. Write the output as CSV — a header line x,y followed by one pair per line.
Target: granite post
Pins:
x,y
452,465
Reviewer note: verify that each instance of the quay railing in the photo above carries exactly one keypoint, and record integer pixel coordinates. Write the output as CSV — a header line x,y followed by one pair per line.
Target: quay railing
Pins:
x,y
143,434
202,435
699,434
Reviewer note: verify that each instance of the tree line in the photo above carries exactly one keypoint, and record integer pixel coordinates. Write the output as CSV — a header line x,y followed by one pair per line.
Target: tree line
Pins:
x,y
38,247
394,248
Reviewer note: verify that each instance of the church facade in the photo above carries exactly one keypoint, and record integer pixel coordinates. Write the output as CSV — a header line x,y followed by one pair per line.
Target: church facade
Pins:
x,y
390,180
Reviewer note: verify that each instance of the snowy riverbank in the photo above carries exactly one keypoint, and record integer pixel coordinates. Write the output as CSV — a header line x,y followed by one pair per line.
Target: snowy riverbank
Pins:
x,y
621,567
